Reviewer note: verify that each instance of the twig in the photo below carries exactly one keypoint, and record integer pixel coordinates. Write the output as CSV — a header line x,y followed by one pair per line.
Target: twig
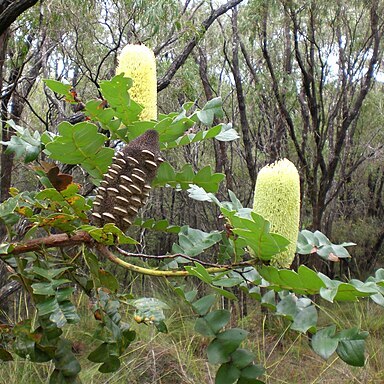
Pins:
x,y
175,255
154,272
163,257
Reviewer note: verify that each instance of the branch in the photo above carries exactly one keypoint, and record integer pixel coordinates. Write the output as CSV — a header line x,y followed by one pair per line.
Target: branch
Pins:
x,y
13,11
280,100
174,256
60,240
155,272
181,59
172,36
63,240
377,31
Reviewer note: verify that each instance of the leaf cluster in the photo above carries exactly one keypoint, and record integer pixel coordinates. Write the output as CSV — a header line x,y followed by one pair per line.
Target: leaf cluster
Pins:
x,y
236,364
243,249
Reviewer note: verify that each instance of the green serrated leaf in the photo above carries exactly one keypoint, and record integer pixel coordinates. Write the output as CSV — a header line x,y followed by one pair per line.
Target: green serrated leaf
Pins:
x,y
198,193
49,274
255,232
48,306
199,271
227,133
96,111
7,211
192,242
81,144
310,279
205,178
227,282
165,173
193,138
321,239
287,307
208,180
170,129
268,300
65,360
116,91
229,295
6,248
231,338
204,328
43,289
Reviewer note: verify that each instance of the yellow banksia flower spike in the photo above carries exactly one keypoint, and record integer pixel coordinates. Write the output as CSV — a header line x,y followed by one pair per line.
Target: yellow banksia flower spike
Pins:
x,y
138,62
277,199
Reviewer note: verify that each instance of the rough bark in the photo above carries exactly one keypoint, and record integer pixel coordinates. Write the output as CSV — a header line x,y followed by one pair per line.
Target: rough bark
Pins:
x,y
12,11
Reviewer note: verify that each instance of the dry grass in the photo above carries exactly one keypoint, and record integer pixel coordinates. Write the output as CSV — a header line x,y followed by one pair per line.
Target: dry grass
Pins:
x,y
179,357
289,359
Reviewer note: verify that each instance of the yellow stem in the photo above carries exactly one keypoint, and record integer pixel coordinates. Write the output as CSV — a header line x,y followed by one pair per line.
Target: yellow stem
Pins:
x,y
151,272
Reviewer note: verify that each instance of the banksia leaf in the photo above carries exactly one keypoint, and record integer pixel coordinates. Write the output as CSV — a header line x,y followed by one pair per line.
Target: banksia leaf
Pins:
x,y
138,62
125,187
277,199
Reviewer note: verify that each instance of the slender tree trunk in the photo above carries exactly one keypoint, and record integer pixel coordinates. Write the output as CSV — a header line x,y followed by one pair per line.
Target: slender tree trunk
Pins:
x,y
5,160
245,129
221,158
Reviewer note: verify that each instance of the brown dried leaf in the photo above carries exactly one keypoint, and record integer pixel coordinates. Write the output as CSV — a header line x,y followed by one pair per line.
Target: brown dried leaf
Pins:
x,y
59,180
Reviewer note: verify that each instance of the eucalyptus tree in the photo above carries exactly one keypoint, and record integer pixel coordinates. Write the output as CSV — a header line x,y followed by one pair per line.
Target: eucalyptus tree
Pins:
x,y
319,62
301,78
78,42
22,52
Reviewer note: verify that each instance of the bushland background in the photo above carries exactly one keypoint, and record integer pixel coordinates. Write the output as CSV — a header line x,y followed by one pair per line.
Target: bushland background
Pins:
x,y
298,79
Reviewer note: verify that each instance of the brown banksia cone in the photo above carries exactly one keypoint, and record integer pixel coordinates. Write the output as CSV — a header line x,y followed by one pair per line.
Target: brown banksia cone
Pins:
x,y
125,187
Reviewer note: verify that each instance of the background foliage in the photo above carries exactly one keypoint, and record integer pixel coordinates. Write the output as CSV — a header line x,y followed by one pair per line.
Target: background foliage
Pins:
x,y
296,80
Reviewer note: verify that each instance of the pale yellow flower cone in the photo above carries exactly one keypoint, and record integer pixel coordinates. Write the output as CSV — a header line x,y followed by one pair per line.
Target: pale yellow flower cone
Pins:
x,y
277,199
138,62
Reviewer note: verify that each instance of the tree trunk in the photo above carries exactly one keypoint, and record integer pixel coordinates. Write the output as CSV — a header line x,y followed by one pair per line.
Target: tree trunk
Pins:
x,y
235,68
